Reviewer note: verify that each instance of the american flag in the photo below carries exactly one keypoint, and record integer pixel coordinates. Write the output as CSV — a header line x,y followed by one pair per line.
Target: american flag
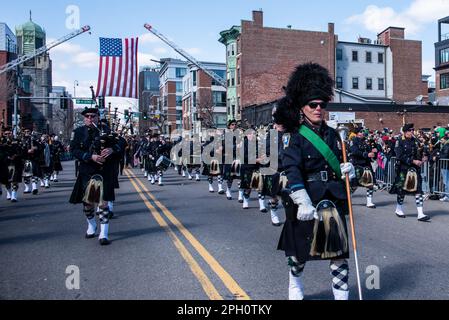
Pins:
x,y
118,68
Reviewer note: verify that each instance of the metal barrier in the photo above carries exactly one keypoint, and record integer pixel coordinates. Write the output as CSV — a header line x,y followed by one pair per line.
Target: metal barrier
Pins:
x,y
441,177
385,177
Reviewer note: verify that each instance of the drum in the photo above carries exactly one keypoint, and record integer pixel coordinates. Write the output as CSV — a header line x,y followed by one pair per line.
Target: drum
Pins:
x,y
163,163
28,169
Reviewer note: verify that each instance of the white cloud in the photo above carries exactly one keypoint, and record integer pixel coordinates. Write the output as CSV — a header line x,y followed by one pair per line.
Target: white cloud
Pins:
x,y
144,59
148,38
427,68
160,50
420,12
86,59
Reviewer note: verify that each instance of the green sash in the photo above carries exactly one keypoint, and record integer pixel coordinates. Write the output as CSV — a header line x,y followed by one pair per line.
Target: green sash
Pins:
x,y
322,147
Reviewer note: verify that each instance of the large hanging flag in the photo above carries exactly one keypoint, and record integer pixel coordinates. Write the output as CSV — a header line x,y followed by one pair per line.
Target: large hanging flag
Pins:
x,y
118,68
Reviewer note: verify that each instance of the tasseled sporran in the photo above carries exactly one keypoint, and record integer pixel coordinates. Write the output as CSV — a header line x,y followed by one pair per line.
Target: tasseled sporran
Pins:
x,y
411,181
257,182
235,168
11,173
367,179
214,168
94,191
28,169
329,235
283,182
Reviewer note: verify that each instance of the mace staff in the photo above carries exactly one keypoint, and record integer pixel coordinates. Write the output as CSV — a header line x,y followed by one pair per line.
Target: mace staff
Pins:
x,y
343,132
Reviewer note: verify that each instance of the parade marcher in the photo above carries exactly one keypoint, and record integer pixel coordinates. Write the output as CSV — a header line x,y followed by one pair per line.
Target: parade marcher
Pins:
x,y
32,155
408,172
14,154
362,154
312,160
215,167
46,162
94,186
4,161
57,149
249,171
231,170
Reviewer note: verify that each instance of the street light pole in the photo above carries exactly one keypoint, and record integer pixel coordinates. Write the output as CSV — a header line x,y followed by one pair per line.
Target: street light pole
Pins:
x,y
16,102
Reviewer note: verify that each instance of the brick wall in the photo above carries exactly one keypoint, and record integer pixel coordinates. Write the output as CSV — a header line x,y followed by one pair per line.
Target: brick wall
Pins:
x,y
269,56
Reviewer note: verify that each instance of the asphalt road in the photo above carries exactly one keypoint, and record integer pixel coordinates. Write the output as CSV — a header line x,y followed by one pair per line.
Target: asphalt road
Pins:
x,y
179,242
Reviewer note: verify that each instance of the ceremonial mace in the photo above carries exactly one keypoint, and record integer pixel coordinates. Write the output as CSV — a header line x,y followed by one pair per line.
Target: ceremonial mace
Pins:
x,y
343,132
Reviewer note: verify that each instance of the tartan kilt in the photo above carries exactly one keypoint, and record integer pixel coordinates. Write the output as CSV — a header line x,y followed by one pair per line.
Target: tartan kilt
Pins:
x,y
271,185
246,175
206,170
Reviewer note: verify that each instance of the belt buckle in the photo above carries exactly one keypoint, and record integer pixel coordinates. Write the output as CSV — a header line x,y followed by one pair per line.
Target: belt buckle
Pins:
x,y
324,176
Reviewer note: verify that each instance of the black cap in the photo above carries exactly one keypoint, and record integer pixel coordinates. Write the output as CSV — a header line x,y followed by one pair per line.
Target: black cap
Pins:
x,y
407,127
89,110
230,122
358,129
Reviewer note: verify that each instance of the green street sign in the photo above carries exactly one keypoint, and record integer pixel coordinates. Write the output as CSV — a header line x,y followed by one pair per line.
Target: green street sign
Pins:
x,y
85,102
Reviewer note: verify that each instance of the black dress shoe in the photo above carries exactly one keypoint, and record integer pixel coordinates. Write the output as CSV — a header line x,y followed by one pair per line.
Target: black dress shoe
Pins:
x,y
264,210
90,236
400,216
35,191
424,219
14,200
105,242
277,224
230,199
221,192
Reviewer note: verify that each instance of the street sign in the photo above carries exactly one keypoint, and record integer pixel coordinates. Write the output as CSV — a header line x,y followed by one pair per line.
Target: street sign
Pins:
x,y
85,102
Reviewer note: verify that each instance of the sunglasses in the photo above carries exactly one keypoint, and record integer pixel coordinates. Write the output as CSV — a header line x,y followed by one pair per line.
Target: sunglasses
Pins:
x,y
315,105
91,116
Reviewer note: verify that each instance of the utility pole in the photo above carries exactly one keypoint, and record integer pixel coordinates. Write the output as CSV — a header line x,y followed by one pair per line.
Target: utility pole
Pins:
x,y
16,102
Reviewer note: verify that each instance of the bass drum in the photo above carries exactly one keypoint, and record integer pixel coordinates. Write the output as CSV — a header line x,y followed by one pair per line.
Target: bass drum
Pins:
x,y
163,163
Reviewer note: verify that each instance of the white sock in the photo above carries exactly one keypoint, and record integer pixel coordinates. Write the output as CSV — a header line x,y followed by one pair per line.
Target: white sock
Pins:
x,y
275,219
160,180
262,205
42,183
8,194
211,188
14,195
197,176
340,294
245,203
295,289
27,188
145,174
91,226
220,187
228,193
421,212
111,206
34,185
240,195
104,231
369,201
399,210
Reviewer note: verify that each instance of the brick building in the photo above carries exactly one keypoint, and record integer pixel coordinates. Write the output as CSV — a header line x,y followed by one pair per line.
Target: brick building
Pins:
x,y
265,58
204,100
8,50
442,62
148,96
260,60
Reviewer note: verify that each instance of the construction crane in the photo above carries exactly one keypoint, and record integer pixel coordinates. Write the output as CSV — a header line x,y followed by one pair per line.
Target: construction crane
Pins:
x,y
9,66
191,59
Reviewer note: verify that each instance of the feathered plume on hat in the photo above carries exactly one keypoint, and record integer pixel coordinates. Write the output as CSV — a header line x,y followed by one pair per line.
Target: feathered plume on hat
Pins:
x,y
308,82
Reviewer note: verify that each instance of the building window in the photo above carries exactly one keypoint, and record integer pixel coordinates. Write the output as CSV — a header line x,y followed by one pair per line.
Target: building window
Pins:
x,y
444,81
179,101
229,78
339,54
232,78
339,82
238,76
355,56
233,49
444,56
221,74
219,98
368,57
194,99
380,57
369,84
178,86
194,78
381,84
180,72
355,83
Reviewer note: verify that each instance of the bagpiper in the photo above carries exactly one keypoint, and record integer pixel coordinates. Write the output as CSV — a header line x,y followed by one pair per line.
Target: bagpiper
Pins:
x,y
316,201
408,172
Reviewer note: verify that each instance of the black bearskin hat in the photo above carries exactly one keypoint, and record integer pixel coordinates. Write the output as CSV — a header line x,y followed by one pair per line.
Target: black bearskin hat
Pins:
x,y
407,127
288,117
308,82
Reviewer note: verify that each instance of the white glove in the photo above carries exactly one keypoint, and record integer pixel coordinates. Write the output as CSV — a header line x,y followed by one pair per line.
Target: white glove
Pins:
x,y
306,211
348,168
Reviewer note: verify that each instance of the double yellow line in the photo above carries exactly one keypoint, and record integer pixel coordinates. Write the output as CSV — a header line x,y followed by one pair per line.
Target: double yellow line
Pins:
x,y
204,280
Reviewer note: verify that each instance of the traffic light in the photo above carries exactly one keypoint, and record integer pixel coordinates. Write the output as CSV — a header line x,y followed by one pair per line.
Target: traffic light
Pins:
x,y
145,116
101,104
64,102
126,114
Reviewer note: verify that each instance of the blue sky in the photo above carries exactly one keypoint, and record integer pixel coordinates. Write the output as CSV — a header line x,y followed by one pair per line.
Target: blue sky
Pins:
x,y
195,25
